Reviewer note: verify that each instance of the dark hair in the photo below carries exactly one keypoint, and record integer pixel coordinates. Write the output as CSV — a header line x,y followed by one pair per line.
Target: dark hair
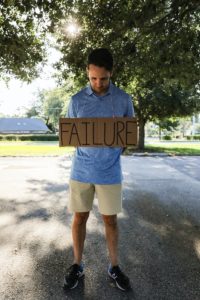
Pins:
x,y
101,57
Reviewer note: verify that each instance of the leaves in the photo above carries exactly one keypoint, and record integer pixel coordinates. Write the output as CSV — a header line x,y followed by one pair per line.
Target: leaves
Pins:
x,y
23,30
155,45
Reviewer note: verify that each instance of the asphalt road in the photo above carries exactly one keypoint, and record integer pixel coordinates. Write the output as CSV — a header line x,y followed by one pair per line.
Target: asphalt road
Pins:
x,y
159,231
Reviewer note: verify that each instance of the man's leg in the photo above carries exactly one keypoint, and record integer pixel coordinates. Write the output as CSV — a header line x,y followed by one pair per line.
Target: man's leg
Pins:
x,y
111,230
80,199
114,271
78,235
110,204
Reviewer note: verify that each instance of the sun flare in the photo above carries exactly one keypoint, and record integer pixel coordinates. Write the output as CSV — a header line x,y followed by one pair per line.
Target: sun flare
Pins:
x,y
72,29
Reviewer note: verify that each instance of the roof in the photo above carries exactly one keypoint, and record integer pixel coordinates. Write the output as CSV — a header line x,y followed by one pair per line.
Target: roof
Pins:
x,y
22,125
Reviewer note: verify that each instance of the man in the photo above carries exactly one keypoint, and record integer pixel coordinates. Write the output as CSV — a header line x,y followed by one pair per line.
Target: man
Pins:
x,y
97,170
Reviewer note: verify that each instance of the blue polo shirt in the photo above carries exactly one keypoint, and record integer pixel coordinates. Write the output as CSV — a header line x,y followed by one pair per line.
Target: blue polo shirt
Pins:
x,y
99,165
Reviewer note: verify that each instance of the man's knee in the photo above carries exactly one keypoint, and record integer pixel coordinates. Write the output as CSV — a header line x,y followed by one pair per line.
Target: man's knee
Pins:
x,y
110,220
81,218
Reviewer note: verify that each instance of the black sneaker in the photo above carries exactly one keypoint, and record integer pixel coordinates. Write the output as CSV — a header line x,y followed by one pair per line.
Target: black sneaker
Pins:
x,y
73,274
121,280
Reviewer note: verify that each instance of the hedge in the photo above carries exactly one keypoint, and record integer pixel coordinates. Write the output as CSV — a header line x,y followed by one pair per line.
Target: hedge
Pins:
x,y
167,137
29,137
193,137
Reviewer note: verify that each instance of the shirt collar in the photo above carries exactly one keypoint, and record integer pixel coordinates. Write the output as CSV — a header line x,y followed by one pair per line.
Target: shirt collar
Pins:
x,y
89,90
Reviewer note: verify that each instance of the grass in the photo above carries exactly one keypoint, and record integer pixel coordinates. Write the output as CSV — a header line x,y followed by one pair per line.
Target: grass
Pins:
x,y
174,148
33,149
52,148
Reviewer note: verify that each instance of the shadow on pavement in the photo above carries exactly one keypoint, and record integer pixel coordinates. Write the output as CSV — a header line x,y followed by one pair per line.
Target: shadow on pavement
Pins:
x,y
159,249
163,248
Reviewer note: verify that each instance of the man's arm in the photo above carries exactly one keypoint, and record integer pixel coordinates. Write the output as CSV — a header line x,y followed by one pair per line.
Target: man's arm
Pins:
x,y
130,109
71,112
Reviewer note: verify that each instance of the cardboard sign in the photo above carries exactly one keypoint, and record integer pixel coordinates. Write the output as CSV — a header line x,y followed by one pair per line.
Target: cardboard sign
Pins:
x,y
98,132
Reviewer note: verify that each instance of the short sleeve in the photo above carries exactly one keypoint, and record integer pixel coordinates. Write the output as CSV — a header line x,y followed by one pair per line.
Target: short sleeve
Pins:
x,y
130,109
71,113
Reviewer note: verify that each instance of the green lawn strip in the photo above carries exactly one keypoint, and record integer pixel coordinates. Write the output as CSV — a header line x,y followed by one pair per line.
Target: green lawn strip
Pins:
x,y
52,148
33,150
174,148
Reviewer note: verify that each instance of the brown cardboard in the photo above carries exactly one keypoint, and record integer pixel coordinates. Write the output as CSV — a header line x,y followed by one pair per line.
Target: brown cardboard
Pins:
x,y
98,132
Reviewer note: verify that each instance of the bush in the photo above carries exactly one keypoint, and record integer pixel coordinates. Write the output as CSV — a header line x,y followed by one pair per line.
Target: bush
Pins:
x,y
196,137
29,137
189,137
167,137
193,137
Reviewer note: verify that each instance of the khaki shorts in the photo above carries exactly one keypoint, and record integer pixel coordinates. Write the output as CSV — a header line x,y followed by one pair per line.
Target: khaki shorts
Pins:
x,y
81,197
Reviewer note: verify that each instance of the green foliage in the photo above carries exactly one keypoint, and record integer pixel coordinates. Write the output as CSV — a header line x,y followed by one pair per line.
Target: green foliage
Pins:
x,y
160,101
156,51
193,137
168,124
151,40
53,104
189,137
196,137
167,137
32,112
29,137
23,28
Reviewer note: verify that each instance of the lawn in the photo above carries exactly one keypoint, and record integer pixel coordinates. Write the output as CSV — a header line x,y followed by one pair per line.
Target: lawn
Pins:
x,y
52,148
33,149
174,148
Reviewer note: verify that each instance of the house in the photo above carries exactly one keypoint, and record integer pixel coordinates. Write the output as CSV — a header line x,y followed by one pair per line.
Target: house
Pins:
x,y
22,125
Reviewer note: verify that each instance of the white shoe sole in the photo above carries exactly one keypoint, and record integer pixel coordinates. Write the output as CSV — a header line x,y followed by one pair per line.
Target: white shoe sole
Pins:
x,y
119,287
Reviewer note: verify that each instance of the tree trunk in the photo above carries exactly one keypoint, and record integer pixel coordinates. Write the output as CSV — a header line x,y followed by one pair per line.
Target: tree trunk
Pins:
x,y
141,134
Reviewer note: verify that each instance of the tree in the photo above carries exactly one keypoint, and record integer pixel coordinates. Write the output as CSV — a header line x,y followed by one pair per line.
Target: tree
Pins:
x,y
32,112
162,101
52,104
155,46
168,125
23,35
52,109
185,125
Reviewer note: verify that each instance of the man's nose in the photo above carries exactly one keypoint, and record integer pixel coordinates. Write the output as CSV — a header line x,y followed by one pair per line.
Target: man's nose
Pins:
x,y
99,83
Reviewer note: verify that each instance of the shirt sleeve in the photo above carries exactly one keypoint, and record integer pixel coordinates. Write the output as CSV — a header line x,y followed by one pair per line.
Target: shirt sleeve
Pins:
x,y
130,109
71,113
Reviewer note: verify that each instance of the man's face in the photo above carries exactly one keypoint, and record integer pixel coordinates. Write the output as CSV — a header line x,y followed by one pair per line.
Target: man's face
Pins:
x,y
99,79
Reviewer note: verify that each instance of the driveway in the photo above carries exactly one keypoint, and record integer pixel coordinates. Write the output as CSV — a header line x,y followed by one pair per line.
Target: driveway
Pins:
x,y
159,231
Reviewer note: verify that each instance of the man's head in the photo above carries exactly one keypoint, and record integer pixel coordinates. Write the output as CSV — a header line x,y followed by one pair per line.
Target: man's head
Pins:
x,y
99,70
101,57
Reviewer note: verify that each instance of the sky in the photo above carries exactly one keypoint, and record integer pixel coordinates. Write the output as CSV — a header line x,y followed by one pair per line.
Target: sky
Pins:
x,y
18,96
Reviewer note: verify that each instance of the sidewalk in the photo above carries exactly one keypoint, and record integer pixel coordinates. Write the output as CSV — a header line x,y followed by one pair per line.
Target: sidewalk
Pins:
x,y
159,231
